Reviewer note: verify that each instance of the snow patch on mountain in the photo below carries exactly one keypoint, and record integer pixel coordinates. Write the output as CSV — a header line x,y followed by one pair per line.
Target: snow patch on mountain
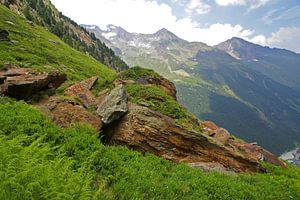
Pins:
x,y
108,35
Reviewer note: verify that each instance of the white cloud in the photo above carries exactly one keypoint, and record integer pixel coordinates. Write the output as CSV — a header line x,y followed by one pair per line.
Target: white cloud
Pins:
x,y
279,14
230,2
144,16
258,3
212,35
285,37
133,15
197,7
252,4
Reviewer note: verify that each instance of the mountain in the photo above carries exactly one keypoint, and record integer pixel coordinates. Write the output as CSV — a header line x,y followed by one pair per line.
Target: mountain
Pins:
x,y
42,12
251,90
278,64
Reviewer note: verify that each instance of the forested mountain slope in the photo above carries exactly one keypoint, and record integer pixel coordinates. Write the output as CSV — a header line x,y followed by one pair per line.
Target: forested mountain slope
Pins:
x,y
42,12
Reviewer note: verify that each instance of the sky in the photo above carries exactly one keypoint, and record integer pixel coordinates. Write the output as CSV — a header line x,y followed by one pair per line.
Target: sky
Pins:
x,y
274,23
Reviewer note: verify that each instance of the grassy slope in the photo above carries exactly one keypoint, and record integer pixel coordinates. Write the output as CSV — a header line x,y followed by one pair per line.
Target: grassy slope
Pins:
x,y
33,46
41,161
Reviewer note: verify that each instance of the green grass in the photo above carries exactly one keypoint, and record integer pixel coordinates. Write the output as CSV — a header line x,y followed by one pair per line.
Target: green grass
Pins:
x,y
38,160
135,73
158,100
33,46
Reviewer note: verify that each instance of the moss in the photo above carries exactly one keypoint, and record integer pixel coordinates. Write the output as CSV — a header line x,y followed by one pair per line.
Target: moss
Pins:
x,y
158,100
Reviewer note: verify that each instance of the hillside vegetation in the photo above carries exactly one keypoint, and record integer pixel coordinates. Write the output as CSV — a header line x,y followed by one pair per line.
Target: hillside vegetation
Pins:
x,y
41,161
43,13
33,46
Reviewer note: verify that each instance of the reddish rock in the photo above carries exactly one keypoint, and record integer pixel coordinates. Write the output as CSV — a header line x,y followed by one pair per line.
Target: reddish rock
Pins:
x,y
148,131
65,113
23,82
221,135
258,153
208,125
82,91
250,150
17,71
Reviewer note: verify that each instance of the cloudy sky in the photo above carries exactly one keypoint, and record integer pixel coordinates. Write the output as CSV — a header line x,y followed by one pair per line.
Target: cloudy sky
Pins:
x,y
274,23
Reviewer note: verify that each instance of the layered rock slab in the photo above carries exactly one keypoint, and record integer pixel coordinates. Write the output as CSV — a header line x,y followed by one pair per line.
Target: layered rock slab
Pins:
x,y
251,150
65,113
21,83
82,91
148,131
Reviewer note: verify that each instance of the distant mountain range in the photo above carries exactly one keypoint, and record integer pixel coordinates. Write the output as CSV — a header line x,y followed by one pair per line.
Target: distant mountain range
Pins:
x,y
253,91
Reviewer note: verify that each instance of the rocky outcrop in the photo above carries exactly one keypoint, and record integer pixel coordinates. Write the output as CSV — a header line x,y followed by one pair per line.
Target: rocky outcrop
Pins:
x,y
161,82
114,105
82,91
148,131
65,113
251,150
21,83
4,35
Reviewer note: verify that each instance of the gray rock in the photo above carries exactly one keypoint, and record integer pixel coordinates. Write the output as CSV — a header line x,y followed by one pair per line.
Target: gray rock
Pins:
x,y
114,106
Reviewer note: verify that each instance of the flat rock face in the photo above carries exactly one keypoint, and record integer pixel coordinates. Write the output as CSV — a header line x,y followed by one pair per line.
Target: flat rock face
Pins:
x,y
114,105
65,113
20,83
148,131
82,91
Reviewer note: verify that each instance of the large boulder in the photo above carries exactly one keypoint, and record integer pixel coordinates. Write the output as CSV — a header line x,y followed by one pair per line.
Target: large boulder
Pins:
x,y
65,113
114,105
82,91
20,83
149,131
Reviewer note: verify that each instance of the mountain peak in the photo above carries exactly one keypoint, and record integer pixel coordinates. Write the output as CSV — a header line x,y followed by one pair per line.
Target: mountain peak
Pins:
x,y
165,34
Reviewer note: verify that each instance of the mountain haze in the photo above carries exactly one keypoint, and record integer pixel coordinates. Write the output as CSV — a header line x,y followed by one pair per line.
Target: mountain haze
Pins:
x,y
251,90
